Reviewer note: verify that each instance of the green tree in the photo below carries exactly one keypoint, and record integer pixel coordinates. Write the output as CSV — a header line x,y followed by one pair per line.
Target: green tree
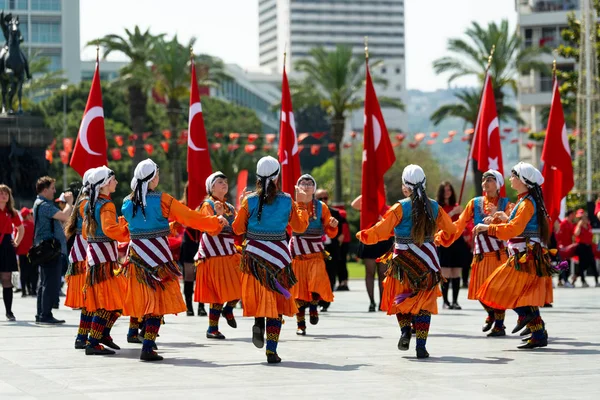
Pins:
x,y
334,80
137,76
171,66
470,58
43,82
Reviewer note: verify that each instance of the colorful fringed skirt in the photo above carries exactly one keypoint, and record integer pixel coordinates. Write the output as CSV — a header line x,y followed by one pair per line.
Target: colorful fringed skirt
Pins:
x,y
152,290
524,280
482,267
218,279
260,301
312,277
75,278
103,287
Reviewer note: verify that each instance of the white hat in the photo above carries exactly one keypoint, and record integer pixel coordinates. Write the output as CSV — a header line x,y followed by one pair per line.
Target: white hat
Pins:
x,y
268,168
144,172
86,176
528,174
307,177
210,181
97,179
413,177
496,175
61,198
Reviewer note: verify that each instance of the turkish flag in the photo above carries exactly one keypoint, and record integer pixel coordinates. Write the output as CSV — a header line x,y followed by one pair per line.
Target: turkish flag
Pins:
x,y
556,156
91,148
289,157
378,157
198,157
486,148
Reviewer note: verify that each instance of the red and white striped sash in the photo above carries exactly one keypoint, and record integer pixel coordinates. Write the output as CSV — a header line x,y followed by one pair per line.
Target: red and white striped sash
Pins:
x,y
426,252
275,252
304,245
78,251
518,244
486,244
220,245
101,252
154,251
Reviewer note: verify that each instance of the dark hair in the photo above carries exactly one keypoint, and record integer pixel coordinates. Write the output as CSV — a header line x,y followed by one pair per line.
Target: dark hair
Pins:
x,y
569,212
271,190
90,218
10,205
440,194
542,214
43,183
71,225
423,223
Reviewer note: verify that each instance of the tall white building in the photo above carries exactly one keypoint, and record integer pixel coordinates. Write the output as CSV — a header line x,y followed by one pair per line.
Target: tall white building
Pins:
x,y
540,23
300,25
50,28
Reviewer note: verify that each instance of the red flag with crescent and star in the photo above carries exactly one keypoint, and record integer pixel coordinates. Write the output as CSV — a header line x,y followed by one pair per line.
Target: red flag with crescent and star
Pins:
x,y
486,148
198,157
289,157
378,157
556,156
91,147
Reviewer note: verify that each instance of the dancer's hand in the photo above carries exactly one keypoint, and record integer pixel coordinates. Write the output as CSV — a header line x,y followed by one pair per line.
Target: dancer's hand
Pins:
x,y
219,208
301,196
488,220
222,221
479,228
501,215
333,222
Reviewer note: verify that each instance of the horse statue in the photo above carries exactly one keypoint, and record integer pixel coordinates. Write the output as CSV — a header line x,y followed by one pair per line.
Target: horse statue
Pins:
x,y
13,64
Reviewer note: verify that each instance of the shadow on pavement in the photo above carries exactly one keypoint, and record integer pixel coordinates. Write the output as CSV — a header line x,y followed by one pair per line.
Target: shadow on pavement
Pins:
x,y
304,365
462,360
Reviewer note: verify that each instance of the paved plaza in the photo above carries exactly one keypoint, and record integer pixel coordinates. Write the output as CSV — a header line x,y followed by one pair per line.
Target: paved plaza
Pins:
x,y
351,354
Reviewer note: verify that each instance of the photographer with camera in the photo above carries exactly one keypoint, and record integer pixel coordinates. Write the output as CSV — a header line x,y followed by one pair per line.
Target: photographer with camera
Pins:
x,y
50,246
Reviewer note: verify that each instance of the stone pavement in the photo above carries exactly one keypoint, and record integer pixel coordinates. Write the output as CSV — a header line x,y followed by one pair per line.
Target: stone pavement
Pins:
x,y
351,354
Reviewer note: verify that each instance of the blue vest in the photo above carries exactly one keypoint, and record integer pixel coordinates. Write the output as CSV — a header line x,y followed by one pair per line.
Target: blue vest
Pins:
x,y
402,231
478,212
315,226
79,220
99,235
532,228
153,225
230,218
274,219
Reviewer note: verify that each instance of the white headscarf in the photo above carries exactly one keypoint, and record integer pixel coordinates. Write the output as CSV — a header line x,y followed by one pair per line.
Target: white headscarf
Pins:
x,y
496,175
97,179
528,174
414,178
307,177
267,169
86,180
144,172
210,181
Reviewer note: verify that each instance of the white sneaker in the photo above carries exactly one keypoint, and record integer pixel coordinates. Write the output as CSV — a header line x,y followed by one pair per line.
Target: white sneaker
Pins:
x,y
598,284
585,284
568,285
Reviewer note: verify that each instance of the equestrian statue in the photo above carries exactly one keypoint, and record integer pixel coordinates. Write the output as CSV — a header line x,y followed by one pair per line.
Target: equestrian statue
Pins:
x,y
14,67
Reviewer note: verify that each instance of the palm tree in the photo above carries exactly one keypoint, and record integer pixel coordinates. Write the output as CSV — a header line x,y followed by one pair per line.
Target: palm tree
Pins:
x,y
171,67
470,58
334,80
44,81
137,76
510,59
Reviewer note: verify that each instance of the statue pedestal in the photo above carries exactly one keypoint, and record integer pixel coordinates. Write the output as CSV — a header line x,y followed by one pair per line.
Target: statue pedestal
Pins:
x,y
23,143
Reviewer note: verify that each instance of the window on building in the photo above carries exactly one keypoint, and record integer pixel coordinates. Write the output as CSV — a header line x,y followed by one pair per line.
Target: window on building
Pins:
x,y
13,4
383,70
549,37
45,32
397,70
24,28
545,82
528,37
398,87
46,5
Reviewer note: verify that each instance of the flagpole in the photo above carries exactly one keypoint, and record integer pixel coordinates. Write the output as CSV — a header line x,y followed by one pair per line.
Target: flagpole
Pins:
x,y
462,186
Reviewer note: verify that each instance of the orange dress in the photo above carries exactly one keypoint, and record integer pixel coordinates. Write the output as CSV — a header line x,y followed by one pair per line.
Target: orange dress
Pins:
x,y
392,287
107,292
75,276
258,300
507,287
482,265
219,278
310,269
165,297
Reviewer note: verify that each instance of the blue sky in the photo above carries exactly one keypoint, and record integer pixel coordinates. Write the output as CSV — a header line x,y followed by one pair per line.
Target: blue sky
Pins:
x,y
229,28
